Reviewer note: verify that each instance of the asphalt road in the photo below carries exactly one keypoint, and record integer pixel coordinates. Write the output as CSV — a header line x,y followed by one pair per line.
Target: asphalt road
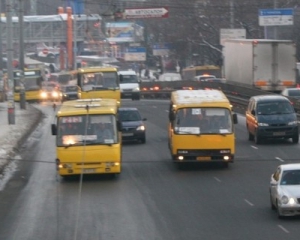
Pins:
x,y
151,199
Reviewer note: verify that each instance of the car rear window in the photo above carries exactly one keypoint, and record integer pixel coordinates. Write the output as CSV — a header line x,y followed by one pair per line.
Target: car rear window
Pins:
x,y
130,115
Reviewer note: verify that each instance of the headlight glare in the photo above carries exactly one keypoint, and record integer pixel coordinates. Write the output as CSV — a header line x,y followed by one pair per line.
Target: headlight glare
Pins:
x,y
141,128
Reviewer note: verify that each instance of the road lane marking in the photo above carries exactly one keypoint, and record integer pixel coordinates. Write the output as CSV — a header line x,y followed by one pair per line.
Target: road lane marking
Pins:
x,y
250,203
217,179
254,147
283,229
279,159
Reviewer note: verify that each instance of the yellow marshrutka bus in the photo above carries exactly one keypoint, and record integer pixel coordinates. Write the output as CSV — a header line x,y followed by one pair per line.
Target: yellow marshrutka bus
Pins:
x,y
99,82
88,137
201,126
33,79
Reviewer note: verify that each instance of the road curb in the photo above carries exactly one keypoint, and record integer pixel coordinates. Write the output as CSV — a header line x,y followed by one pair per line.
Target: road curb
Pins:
x,y
32,126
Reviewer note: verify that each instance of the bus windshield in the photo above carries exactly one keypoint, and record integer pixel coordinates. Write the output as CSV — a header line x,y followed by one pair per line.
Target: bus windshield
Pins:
x,y
87,130
203,121
99,81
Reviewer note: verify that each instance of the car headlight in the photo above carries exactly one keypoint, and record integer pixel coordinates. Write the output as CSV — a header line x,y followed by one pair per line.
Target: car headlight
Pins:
x,y
54,94
284,199
141,128
263,124
287,200
136,89
293,123
43,94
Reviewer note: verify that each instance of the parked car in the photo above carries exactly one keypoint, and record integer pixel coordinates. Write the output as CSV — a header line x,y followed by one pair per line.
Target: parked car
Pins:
x,y
285,190
291,92
133,126
70,92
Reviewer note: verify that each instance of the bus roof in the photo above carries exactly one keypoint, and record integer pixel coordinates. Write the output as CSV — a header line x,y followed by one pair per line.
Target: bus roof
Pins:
x,y
97,69
95,106
212,98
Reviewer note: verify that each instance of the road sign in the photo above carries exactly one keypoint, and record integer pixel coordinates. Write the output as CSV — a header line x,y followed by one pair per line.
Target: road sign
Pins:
x,y
161,49
276,17
136,54
228,33
158,12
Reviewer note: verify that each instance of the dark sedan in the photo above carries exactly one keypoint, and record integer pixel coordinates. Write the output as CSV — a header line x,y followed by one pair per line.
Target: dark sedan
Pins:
x,y
133,127
70,92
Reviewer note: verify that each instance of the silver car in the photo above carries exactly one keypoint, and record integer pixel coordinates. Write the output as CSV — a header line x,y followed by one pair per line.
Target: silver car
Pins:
x,y
285,190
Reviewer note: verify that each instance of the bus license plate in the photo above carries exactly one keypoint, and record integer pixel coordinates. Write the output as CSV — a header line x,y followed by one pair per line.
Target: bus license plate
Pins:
x,y
89,170
203,158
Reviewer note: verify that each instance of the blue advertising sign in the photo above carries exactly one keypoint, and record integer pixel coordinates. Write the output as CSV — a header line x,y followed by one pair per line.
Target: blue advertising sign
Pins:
x,y
276,17
120,31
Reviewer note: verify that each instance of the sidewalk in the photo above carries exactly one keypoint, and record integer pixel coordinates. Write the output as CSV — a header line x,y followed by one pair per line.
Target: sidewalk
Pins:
x,y
13,136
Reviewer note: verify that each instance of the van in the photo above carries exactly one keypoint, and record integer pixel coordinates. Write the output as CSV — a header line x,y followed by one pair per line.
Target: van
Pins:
x,y
129,85
271,116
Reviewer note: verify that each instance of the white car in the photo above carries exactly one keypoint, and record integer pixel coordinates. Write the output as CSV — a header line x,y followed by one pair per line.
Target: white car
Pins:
x,y
285,190
291,92
129,84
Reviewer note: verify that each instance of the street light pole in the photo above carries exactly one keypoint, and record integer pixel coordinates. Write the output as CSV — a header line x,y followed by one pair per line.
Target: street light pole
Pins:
x,y
21,55
231,13
9,50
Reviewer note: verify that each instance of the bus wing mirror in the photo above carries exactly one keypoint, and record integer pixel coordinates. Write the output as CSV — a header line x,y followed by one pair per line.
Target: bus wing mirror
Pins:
x,y
53,129
171,116
235,118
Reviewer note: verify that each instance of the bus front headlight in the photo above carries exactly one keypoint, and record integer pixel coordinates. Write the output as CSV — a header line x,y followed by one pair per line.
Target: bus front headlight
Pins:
x,y
43,95
55,94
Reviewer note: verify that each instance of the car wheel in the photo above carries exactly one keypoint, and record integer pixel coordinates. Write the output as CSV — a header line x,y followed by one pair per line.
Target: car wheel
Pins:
x,y
279,215
295,138
143,140
272,204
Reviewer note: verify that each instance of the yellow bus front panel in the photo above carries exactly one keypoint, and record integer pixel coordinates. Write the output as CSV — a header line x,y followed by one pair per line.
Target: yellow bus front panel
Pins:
x,y
98,159
203,147
102,94
33,95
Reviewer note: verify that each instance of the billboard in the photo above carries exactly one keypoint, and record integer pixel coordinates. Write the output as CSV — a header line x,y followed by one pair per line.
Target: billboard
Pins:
x,y
136,54
120,32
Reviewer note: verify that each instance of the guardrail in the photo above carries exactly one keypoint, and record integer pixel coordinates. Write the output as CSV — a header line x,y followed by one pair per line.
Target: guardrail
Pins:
x,y
238,94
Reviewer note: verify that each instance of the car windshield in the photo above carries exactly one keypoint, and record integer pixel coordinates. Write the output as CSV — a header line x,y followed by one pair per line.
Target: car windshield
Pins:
x,y
70,89
294,92
203,121
290,177
130,115
129,79
270,108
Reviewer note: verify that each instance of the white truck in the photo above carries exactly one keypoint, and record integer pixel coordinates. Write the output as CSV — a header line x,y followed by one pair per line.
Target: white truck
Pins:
x,y
269,65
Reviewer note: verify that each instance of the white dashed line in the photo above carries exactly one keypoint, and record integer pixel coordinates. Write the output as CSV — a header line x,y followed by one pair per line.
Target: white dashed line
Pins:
x,y
154,106
250,203
279,159
217,179
283,229
254,147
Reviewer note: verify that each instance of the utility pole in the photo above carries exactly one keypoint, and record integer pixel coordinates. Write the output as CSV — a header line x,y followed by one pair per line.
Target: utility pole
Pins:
x,y
275,27
21,55
9,50
75,41
231,13
1,54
